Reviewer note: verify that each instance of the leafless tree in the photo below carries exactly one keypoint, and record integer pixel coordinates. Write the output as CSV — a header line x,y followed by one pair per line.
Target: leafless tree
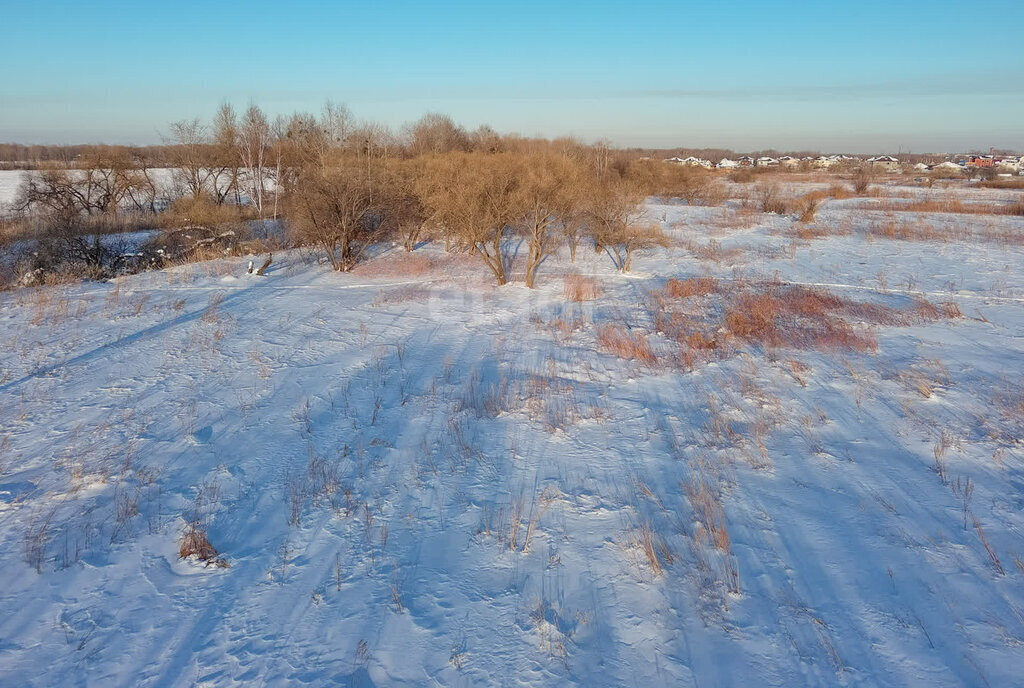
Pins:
x,y
197,168
226,143
436,133
336,208
546,190
254,143
473,197
616,222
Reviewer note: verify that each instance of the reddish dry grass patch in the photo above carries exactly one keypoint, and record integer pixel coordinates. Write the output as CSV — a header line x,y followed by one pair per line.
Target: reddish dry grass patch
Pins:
x,y
906,231
578,288
694,286
625,344
947,205
705,319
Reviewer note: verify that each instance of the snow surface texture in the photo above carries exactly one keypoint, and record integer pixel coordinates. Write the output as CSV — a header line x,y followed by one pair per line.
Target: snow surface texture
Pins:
x,y
418,478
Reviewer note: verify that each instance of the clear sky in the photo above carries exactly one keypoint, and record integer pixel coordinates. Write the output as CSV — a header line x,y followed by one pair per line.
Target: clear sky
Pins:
x,y
850,76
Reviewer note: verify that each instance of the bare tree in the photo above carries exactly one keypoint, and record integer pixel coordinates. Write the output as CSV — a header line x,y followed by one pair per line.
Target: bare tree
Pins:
x,y
408,213
105,183
486,140
615,218
254,142
473,196
225,144
336,208
189,154
546,191
436,133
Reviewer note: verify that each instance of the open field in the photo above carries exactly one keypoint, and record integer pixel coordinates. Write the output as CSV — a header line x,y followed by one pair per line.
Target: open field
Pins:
x,y
776,453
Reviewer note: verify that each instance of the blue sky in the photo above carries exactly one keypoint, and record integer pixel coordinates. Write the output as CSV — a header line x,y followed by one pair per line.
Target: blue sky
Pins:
x,y
857,76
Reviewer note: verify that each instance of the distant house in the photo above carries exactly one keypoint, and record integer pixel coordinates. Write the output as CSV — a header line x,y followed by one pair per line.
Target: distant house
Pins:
x,y
746,161
884,161
788,161
980,161
726,163
766,162
1008,164
825,161
690,162
920,167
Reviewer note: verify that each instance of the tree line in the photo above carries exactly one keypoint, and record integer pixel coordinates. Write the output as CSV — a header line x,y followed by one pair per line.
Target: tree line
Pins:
x,y
342,185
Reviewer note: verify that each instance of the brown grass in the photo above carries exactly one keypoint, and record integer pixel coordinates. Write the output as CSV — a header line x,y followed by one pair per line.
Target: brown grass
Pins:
x,y
703,316
806,206
714,252
918,230
625,344
711,527
194,543
988,546
946,205
1017,183
649,542
578,288
694,286
799,317
839,192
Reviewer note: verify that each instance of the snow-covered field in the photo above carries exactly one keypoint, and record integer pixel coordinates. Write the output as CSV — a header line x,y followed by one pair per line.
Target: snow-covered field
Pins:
x,y
419,478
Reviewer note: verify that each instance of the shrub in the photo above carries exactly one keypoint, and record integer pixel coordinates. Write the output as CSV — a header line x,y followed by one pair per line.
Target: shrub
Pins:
x,y
862,179
838,192
807,205
770,199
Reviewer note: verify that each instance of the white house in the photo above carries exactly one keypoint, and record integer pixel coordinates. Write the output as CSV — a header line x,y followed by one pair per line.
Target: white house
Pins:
x,y
885,161
727,163
697,162
766,162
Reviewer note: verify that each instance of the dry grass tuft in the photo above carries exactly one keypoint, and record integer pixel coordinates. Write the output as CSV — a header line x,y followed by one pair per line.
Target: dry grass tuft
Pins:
x,y
988,546
578,288
710,528
806,206
625,344
714,251
650,544
194,543
694,286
